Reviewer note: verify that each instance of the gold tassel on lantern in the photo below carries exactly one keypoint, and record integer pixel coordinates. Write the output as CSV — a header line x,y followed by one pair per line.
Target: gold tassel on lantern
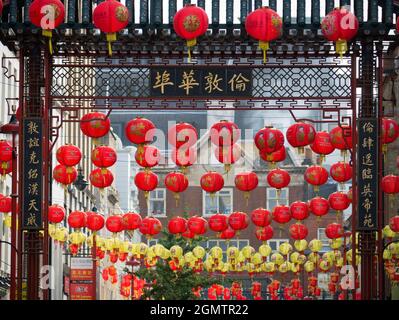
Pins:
x,y
177,197
246,197
49,35
110,38
190,43
227,168
264,46
341,46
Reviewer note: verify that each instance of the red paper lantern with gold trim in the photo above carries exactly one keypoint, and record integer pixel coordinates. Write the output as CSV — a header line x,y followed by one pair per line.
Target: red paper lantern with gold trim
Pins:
x,y
176,182
390,132
338,201
218,222
189,23
140,131
114,224
246,182
77,219
101,178
394,224
95,125
184,157
238,220
261,217
264,233
269,140
182,135
69,155
334,231
390,186
298,231
47,15
227,234
94,221
197,225
150,227
300,135
281,214
341,172
340,26
110,16
265,25
177,225
131,221
146,181
5,156
319,206
64,175
103,156
341,138
55,214
322,144
316,176
299,210
212,182
278,178
276,156
148,156
228,155
224,133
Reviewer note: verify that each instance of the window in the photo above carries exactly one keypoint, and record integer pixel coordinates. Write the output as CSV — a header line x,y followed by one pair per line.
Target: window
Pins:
x,y
220,202
241,243
157,202
275,243
273,200
321,235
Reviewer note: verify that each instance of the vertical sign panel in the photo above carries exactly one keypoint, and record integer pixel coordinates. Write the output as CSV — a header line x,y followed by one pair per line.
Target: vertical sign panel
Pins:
x,y
367,174
32,177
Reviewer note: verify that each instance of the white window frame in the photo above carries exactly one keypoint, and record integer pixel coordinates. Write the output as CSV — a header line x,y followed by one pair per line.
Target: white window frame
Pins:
x,y
216,199
268,197
156,199
322,231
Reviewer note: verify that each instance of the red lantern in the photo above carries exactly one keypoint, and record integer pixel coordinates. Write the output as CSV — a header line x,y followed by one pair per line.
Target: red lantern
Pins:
x,y
228,155
319,206
188,234
340,26
227,234
182,135
5,156
341,172
69,155
300,135
299,210
103,156
101,178
322,145
56,213
264,233
146,181
218,222
140,131
110,17
47,15
5,204
278,178
197,225
276,156
238,221
177,225
94,221
95,125
77,219
394,224
316,176
212,182
338,201
184,157
114,224
176,182
148,156
390,132
105,274
224,133
281,214
131,221
390,184
189,23
298,231
269,140
64,175
261,217
341,138
264,24
246,182
334,231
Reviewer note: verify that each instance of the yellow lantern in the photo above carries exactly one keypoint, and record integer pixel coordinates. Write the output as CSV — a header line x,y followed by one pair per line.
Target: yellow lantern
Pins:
x,y
256,259
265,250
349,257
277,258
142,249
284,267
315,245
240,258
165,254
62,235
328,256
52,230
313,257
301,259
7,220
216,252
158,250
294,257
309,266
199,252
248,251
387,254
339,262
388,233
325,265
125,247
294,268
269,267
189,257
394,248
285,248
77,238
100,242
300,245
335,244
176,251
232,253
